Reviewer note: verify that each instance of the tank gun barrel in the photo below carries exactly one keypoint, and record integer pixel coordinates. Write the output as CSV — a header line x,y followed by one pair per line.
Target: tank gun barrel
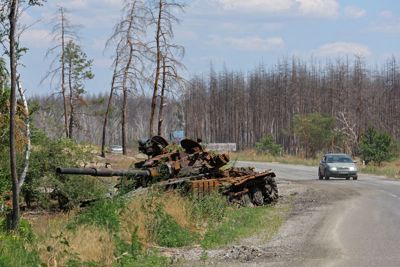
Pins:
x,y
102,172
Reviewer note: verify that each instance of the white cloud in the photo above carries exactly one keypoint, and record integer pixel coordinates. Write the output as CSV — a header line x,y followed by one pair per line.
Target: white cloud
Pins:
x,y
79,4
313,8
249,27
354,12
257,5
319,8
342,48
36,38
251,43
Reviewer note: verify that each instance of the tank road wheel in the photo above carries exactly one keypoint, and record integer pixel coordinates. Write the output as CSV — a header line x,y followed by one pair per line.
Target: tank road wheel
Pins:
x,y
245,201
271,190
257,196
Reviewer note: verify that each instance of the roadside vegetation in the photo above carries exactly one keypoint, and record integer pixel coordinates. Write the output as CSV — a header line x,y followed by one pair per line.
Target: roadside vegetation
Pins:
x,y
376,152
132,232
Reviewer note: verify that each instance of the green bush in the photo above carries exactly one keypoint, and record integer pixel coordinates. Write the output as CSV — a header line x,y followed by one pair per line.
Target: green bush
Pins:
x,y
375,146
47,155
268,145
315,132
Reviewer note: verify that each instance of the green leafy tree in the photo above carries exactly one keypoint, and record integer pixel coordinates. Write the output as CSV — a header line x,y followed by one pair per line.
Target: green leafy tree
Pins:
x,y
375,146
78,70
315,132
268,145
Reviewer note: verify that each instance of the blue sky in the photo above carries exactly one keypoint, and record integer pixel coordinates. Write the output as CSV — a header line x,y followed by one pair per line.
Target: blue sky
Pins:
x,y
236,33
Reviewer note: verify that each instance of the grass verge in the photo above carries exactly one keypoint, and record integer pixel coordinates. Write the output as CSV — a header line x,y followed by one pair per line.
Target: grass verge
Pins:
x,y
245,222
124,233
252,155
389,169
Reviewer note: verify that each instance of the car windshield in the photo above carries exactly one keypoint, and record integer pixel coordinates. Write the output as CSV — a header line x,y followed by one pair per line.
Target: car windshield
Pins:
x,y
337,158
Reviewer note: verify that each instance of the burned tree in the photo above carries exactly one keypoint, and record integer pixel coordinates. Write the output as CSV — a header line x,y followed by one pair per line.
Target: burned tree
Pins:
x,y
63,31
165,53
130,52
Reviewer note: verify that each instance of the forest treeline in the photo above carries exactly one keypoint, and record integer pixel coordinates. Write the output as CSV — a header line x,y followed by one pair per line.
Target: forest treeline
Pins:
x,y
233,106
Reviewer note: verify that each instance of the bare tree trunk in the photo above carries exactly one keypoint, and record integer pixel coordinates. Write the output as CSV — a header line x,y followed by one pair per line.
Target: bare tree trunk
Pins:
x,y
160,113
13,108
157,74
63,73
125,98
103,139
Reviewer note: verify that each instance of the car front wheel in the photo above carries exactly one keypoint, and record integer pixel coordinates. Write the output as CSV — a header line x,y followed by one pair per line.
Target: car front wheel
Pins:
x,y
326,176
355,178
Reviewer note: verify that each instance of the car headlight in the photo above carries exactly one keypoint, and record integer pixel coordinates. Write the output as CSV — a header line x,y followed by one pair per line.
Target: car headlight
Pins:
x,y
352,169
333,168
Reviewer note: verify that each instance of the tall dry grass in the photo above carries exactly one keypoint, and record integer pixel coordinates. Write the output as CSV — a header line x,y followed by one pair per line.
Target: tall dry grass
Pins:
x,y
57,244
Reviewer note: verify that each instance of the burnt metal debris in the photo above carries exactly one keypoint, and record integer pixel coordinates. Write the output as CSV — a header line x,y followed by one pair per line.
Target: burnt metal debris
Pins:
x,y
193,169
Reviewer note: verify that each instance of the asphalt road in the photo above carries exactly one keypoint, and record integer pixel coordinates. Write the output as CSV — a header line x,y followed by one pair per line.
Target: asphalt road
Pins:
x,y
362,230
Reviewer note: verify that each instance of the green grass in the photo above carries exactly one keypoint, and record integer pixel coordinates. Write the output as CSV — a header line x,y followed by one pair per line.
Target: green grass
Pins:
x,y
166,232
388,169
245,222
103,213
133,255
17,250
252,155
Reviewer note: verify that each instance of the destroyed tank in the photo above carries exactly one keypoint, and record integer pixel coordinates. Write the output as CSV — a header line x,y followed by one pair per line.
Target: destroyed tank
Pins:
x,y
193,169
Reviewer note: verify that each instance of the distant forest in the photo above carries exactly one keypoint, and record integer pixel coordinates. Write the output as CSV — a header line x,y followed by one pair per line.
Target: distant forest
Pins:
x,y
233,106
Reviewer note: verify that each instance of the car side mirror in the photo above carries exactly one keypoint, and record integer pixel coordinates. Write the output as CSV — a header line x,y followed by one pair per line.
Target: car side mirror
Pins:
x,y
354,161
322,161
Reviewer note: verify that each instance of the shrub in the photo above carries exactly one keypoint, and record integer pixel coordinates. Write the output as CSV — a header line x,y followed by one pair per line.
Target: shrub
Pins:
x,y
268,145
41,179
375,146
315,132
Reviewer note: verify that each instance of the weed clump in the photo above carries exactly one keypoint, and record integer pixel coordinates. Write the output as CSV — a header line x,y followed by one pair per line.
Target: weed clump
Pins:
x,y
209,209
133,254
